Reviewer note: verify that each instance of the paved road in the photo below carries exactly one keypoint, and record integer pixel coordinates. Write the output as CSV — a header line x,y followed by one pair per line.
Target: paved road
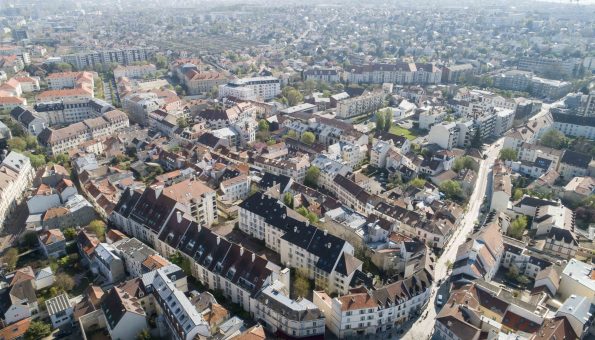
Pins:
x,y
423,327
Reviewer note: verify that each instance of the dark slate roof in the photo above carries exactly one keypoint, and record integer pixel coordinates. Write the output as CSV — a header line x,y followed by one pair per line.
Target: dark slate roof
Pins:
x,y
213,115
152,211
573,119
535,202
576,159
274,212
328,248
173,230
564,235
215,253
268,180
361,279
208,140
543,163
386,136
127,202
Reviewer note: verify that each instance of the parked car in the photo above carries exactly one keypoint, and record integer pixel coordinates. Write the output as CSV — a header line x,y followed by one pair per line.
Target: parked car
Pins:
x,y
439,301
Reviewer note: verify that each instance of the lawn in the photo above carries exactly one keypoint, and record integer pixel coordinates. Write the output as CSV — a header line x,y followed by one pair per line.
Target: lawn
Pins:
x,y
409,134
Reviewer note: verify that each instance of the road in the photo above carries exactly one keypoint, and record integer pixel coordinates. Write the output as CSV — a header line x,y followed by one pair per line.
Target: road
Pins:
x,y
424,327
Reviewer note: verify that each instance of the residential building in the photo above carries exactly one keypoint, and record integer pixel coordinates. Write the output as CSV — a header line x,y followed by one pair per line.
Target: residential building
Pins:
x,y
64,139
356,106
263,88
124,314
134,71
108,264
457,73
370,312
399,73
576,279
328,75
52,243
574,125
501,187
294,167
16,175
134,253
31,121
124,56
60,310
199,81
574,164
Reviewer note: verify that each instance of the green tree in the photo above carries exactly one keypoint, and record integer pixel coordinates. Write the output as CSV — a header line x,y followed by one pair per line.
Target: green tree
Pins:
x,y
388,119
70,233
379,121
160,61
97,227
182,122
181,261
17,144
517,227
144,335
417,182
37,330
452,189
508,154
464,162
308,138
62,159
301,284
31,141
37,161
263,125
312,175
476,141
288,199
11,257
29,240
180,90
554,139
291,134
292,96
64,282
518,194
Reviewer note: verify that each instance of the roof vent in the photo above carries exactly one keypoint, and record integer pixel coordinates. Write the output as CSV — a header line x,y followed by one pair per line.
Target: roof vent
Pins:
x,y
218,240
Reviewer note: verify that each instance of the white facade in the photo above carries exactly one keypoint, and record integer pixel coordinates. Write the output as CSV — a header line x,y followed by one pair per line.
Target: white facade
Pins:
x,y
16,175
263,88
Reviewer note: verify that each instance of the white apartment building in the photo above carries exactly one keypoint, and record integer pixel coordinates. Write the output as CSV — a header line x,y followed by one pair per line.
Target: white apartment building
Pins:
x,y
16,175
329,168
134,71
71,80
139,105
349,154
366,103
257,88
370,312
62,140
235,189
294,167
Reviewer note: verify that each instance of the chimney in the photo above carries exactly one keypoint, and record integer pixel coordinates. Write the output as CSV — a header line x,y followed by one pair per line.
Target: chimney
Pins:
x,y
325,232
179,216
253,257
241,251
218,240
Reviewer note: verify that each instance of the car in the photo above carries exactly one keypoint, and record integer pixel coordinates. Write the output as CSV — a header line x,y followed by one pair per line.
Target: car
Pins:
x,y
439,300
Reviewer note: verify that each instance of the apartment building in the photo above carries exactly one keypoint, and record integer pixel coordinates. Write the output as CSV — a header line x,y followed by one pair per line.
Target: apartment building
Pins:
x,y
323,257
32,121
108,264
329,168
71,80
574,125
124,315
501,187
363,312
457,73
124,56
552,67
64,139
16,175
257,88
328,75
480,257
399,73
353,195
134,71
366,103
294,167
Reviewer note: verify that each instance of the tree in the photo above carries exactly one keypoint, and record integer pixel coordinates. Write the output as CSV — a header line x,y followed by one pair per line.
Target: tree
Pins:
x,y
182,122
181,261
476,142
308,138
418,182
97,227
388,119
64,282
161,61
518,194
70,233
464,162
379,121
37,330
292,96
291,134
554,139
37,161
301,284
517,227
11,257
452,189
180,90
29,240
144,335
31,141
312,175
17,144
263,125
508,154
288,199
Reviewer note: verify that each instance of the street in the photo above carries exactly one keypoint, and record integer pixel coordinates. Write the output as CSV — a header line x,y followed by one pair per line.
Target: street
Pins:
x,y
424,327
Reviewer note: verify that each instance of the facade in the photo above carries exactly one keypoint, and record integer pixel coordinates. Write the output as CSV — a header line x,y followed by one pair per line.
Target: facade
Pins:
x,y
64,139
400,73
264,88
30,120
364,312
124,56
294,167
134,71
325,75
60,310
456,73
501,187
108,264
574,125
52,243
124,315
366,103
16,175
71,109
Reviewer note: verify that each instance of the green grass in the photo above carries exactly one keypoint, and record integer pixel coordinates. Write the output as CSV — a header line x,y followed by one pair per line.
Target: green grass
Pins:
x,y
409,134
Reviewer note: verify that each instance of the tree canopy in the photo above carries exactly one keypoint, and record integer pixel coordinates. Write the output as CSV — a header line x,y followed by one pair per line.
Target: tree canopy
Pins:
x,y
554,139
308,138
508,154
312,175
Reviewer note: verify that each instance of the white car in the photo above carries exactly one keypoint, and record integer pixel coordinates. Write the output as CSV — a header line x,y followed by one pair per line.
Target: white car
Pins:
x,y
439,300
